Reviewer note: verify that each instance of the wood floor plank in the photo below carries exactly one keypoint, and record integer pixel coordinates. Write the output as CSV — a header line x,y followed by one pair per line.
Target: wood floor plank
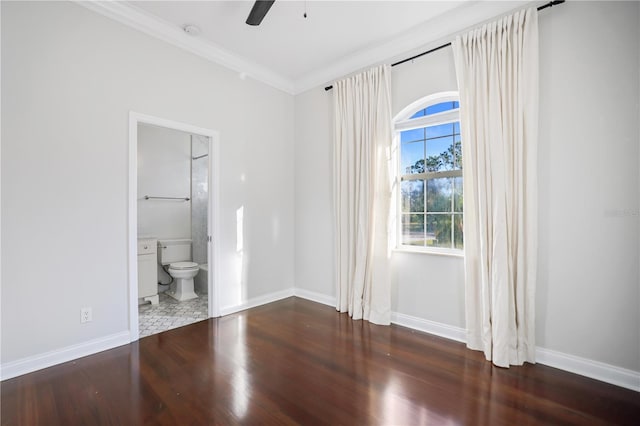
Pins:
x,y
297,362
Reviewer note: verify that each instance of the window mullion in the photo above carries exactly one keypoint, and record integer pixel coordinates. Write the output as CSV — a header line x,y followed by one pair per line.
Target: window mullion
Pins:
x,y
453,194
432,175
424,188
424,230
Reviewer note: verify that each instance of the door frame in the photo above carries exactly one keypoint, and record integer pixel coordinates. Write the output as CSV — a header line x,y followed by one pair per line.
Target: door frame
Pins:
x,y
213,251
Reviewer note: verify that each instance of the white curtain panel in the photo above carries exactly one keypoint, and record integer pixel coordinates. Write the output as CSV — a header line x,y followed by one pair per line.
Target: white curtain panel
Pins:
x,y
361,195
497,70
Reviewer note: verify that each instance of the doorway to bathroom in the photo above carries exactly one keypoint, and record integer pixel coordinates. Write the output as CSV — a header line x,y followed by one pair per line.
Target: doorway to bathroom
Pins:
x,y
173,190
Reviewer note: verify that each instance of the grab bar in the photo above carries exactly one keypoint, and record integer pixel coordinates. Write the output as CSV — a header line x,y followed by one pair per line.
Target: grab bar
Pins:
x,y
147,197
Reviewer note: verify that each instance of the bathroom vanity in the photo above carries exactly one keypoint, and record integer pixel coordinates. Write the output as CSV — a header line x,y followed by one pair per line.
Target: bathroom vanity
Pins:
x,y
148,270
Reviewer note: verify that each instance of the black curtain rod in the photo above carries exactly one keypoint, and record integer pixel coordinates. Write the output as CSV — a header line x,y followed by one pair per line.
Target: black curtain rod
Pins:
x,y
551,3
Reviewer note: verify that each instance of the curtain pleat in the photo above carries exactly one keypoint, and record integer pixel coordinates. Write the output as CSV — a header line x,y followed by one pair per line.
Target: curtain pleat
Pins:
x,y
362,190
497,70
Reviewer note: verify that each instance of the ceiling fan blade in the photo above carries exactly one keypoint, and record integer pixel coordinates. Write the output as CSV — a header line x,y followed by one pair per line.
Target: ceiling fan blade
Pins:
x,y
258,11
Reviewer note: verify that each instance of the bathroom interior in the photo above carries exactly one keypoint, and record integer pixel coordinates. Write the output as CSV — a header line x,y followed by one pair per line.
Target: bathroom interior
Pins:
x,y
173,200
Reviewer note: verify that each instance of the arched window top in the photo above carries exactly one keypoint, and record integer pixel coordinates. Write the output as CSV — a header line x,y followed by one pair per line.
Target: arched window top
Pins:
x,y
436,108
440,107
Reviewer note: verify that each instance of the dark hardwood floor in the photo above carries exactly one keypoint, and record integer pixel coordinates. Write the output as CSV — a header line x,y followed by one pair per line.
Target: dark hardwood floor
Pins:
x,y
298,362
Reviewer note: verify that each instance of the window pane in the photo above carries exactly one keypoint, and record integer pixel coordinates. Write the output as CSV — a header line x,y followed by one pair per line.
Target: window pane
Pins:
x,y
437,151
412,135
443,106
440,130
456,127
413,229
420,113
439,192
457,194
439,230
458,231
412,157
412,196
456,152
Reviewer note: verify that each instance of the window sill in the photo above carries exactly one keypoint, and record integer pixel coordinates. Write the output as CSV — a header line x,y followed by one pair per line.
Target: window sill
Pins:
x,y
437,252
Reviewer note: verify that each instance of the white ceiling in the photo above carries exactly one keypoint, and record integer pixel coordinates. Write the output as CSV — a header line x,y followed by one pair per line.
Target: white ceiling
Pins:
x,y
295,53
288,43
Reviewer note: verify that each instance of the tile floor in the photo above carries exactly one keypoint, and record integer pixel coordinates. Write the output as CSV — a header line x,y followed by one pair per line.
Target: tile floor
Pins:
x,y
170,313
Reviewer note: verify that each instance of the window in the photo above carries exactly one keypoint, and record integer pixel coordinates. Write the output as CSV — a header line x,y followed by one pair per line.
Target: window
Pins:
x,y
430,174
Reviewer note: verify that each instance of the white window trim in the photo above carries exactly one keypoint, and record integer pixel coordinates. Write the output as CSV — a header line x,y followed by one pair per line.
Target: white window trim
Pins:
x,y
444,117
402,122
422,103
438,251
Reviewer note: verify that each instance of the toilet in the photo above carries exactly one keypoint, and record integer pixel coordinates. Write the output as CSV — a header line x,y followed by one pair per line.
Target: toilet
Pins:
x,y
177,254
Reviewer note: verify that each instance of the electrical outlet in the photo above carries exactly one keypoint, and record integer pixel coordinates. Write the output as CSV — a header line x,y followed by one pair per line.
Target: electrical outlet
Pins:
x,y
86,315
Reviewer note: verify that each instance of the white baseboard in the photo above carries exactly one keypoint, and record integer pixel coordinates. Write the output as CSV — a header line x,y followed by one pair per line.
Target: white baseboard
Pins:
x,y
315,297
38,362
593,369
443,330
585,367
257,301
431,327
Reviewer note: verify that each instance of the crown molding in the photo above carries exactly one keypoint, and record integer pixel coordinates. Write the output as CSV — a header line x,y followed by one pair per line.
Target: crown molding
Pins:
x,y
439,30
155,27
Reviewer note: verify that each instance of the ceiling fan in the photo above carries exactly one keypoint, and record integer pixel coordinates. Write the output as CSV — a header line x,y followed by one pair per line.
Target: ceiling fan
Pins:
x,y
258,11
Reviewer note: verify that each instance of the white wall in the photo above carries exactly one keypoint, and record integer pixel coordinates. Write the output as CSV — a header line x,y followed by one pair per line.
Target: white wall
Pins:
x,y
164,170
69,79
313,192
588,301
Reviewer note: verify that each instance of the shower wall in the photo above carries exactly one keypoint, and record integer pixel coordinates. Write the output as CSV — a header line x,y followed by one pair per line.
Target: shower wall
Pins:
x,y
199,198
164,162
